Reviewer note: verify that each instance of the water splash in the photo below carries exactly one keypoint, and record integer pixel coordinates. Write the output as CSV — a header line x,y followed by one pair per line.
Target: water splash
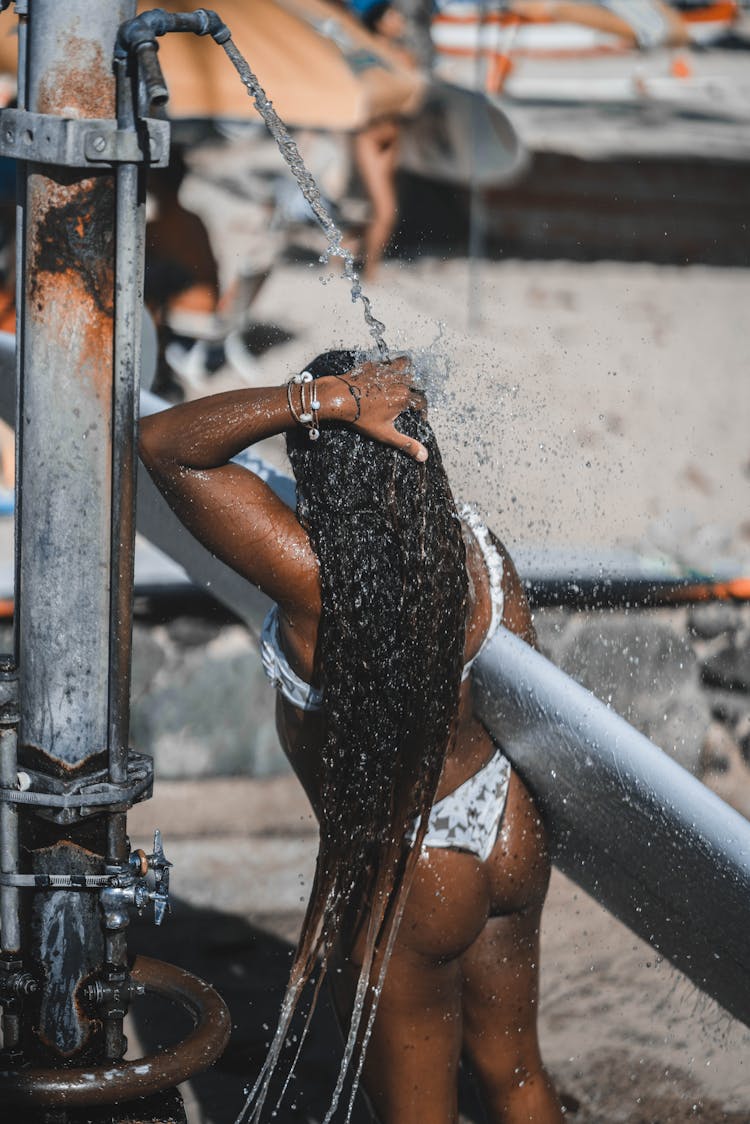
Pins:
x,y
309,189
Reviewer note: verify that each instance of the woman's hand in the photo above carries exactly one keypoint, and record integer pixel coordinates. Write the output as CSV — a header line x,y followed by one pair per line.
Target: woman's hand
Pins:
x,y
377,393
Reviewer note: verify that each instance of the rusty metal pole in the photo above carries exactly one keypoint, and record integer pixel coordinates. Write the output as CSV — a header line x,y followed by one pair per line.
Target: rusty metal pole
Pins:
x,y
71,490
84,140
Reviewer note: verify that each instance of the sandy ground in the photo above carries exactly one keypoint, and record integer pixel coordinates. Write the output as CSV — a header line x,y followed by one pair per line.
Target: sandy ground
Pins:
x,y
622,1033
584,405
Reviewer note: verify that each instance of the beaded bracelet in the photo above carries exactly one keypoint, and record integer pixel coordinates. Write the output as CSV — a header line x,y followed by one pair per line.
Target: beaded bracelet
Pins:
x,y
308,415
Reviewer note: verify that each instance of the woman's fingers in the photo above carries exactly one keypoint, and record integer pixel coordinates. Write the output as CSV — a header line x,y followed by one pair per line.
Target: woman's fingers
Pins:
x,y
389,435
383,373
414,449
386,390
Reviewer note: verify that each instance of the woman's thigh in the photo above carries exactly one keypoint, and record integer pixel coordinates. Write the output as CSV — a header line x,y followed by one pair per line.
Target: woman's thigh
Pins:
x,y
411,1065
500,972
499,992
499,1011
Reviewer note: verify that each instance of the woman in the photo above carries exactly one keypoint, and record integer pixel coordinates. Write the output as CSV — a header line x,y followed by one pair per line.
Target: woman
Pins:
x,y
432,860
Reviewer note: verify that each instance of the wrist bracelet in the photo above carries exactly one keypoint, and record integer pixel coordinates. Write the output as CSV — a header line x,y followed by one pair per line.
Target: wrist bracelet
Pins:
x,y
289,385
308,415
356,394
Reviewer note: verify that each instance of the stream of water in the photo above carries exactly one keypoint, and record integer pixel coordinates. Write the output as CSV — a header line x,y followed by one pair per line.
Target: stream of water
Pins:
x,y
309,189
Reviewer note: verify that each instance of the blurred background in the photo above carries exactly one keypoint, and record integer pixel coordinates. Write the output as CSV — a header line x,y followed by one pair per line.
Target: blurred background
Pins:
x,y
548,203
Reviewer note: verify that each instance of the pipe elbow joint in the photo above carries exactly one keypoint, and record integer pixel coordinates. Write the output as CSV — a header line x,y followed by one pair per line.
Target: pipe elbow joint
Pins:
x,y
141,30
215,26
147,27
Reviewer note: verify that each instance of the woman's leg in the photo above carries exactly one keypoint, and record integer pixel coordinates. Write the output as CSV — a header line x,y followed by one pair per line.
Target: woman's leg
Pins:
x,y
500,978
411,1066
500,974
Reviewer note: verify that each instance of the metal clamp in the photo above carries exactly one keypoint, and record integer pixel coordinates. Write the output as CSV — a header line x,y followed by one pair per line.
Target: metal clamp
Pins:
x,y
81,143
143,879
65,801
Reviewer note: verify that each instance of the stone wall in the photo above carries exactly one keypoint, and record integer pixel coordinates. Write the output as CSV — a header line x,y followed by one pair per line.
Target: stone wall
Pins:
x,y
200,702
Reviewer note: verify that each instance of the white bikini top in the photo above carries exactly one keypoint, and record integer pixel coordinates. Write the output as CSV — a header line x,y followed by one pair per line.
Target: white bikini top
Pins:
x,y
306,697
494,563
277,668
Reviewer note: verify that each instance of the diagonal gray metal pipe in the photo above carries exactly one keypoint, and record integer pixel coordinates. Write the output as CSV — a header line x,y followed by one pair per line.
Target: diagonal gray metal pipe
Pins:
x,y
627,823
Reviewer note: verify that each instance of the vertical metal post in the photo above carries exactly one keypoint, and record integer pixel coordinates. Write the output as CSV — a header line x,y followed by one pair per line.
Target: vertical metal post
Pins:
x,y
10,920
75,408
81,236
129,270
477,222
10,926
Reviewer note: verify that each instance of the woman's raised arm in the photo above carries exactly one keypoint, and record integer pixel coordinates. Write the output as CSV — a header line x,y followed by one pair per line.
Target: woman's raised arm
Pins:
x,y
188,449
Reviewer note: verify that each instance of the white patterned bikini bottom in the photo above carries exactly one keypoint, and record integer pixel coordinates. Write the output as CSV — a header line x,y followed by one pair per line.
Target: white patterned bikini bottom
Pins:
x,y
468,819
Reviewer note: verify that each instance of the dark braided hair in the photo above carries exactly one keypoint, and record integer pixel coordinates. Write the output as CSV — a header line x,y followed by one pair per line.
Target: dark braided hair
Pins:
x,y
389,657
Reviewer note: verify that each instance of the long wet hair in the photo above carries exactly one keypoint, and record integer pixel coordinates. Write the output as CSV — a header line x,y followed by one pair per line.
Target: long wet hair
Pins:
x,y
389,658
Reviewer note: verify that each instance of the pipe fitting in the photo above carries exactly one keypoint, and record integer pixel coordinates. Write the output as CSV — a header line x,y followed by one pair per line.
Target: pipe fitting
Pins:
x,y
113,994
123,1081
137,37
145,28
144,879
15,982
117,901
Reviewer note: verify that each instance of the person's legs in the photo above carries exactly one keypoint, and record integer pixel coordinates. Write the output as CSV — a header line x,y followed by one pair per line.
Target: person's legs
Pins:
x,y
500,974
411,1065
457,980
375,151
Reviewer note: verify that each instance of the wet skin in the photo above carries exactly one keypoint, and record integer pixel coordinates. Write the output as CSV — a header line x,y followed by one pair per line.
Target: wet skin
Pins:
x,y
463,974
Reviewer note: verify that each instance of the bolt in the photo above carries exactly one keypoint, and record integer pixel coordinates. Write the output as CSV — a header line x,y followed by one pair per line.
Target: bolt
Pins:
x,y
99,144
93,992
26,984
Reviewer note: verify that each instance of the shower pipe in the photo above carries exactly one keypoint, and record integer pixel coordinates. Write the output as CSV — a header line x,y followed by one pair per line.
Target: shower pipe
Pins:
x,y
139,1077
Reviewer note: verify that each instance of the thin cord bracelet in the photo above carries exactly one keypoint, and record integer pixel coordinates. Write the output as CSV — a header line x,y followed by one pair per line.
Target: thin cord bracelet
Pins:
x,y
295,380
356,394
